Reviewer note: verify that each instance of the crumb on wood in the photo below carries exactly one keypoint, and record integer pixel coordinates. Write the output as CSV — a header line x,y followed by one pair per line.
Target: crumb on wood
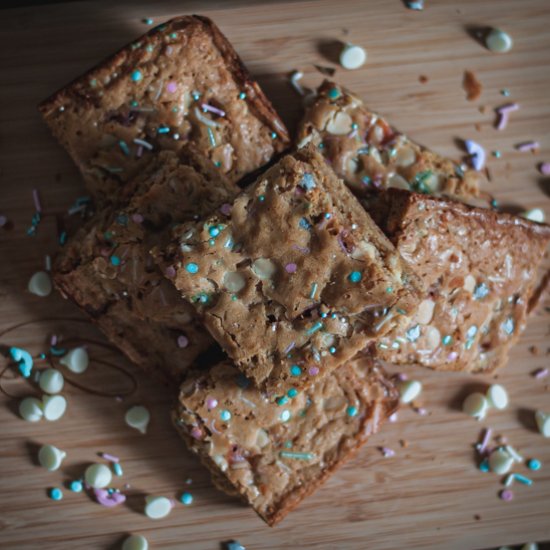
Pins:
x,y
477,517
422,79
478,127
472,86
534,350
482,109
404,443
329,71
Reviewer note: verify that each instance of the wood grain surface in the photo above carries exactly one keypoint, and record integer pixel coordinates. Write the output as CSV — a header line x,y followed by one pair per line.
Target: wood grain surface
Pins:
x,y
430,495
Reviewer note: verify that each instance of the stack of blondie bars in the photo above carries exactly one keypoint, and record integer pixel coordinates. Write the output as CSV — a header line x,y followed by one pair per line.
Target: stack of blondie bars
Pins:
x,y
271,303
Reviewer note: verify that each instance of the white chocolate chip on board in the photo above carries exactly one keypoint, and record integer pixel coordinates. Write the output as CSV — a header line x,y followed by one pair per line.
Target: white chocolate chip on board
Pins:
x,y
339,124
425,312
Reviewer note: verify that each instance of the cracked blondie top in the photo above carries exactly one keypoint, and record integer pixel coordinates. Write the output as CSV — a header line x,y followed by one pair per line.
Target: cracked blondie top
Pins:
x,y
480,269
369,154
107,270
181,82
294,277
272,455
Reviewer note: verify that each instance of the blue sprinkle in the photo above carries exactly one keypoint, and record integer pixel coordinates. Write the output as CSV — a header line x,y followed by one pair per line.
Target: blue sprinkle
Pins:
x,y
308,182
214,231
534,464
447,339
292,392
115,260
163,130
523,479
62,238
508,326
328,215
471,332
273,135
295,370
417,5
24,359
333,93
304,224
148,21
57,351
355,276
351,411
117,469
481,291
413,333
366,180
313,290
125,149
484,466
332,350
192,268
225,415
122,220
55,493
234,545
76,486
324,315
261,198
186,498
313,329
242,95
136,76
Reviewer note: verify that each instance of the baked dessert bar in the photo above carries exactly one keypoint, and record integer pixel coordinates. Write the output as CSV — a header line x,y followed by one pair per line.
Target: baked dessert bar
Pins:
x,y
368,154
181,82
273,456
294,278
107,270
480,269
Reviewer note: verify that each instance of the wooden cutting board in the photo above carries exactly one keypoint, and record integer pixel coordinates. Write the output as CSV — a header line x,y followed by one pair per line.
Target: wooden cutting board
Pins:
x,y
430,494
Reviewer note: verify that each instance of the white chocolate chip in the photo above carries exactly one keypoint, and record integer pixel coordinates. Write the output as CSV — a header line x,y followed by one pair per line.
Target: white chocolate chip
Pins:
x,y
543,423
234,281
51,381
498,41
405,156
476,405
339,124
409,390
352,57
399,182
264,268
40,284
425,312
157,507
433,337
469,283
76,360
497,397
54,407
135,542
500,462
262,438
31,409
534,215
50,457
98,476
138,417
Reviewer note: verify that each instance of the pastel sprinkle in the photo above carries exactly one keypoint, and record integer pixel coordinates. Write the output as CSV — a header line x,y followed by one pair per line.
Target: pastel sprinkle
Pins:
x,y
523,479
186,498
170,272
36,199
314,328
541,373
292,392
192,268
115,260
171,87
544,168
503,112
148,21
136,76
313,290
285,416
225,209
297,456
506,495
291,268
143,143
351,411
183,341
387,452
225,415
295,370
210,108
313,371
110,457
355,276
76,486
117,468
477,154
528,146
211,403
534,464
55,493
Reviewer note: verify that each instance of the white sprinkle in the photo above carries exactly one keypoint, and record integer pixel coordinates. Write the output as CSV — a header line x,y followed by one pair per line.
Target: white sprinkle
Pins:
x,y
143,143
513,453
295,77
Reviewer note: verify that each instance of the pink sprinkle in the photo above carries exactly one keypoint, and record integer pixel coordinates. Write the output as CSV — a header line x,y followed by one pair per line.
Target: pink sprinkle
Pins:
x,y
313,371
171,87
36,198
386,451
527,146
503,112
393,417
137,218
170,272
225,209
485,440
291,268
211,403
109,457
183,341
452,356
109,500
541,373
3,220
215,110
544,168
402,377
502,121
196,433
506,495
421,411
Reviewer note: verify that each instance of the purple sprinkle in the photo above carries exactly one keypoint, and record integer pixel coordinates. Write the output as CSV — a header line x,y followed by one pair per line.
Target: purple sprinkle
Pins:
x,y
544,168
291,268
215,110
170,272
289,347
402,377
139,152
183,341
36,198
421,411
303,249
541,373
313,371
211,403
452,356
527,146
53,340
503,114
393,417
109,457
387,452
477,154
171,87
196,433
137,218
506,495
4,220
484,442
225,209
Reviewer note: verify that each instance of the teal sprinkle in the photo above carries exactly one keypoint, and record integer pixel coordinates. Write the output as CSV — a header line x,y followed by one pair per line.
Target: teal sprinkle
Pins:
x,y
125,149
497,154
295,370
196,95
134,103
186,498
282,400
292,392
211,242
285,416
136,76
217,164
313,290
334,93
505,92
354,125
332,350
211,136
401,311
202,298
55,493
314,328
304,224
494,203
42,356
150,48
122,219
192,268
175,109
57,351
173,35
352,411
297,456
225,415
471,332
63,238
288,444
93,82
419,184
534,464
389,290
163,130
523,479
321,145
117,469
413,334
115,260
76,486
148,21
469,344
447,339
242,95
355,276
508,326
366,180
214,231
273,135
234,298
261,198
484,466
481,291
